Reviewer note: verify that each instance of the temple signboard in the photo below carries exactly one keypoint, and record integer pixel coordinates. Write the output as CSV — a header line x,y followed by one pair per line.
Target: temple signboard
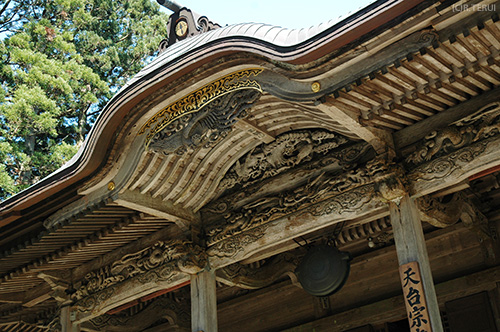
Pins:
x,y
414,298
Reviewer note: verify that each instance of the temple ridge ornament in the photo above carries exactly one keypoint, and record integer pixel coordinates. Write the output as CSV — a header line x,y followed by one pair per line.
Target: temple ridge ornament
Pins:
x,y
197,100
183,23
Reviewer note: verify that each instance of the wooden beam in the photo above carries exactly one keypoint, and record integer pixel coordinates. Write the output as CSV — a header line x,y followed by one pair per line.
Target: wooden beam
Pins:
x,y
14,297
135,246
419,130
157,207
356,203
381,140
127,291
37,295
203,302
393,309
449,170
410,247
66,320
254,130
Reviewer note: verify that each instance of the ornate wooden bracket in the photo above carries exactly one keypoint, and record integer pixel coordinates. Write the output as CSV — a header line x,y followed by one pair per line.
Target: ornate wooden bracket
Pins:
x,y
161,263
175,310
194,126
456,152
476,127
250,276
446,211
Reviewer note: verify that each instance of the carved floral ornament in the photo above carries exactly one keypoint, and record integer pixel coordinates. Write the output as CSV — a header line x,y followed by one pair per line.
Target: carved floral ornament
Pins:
x,y
456,146
171,119
206,127
176,309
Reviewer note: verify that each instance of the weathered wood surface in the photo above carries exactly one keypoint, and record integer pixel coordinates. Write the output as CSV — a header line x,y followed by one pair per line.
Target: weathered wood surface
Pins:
x,y
135,200
451,169
348,205
393,309
419,130
411,247
203,302
380,139
123,293
373,278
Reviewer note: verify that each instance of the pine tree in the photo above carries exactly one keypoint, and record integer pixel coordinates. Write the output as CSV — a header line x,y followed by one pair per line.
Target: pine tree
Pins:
x,y
61,61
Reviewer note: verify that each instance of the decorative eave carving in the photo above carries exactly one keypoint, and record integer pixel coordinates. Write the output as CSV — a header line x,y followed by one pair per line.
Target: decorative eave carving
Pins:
x,y
160,262
176,310
446,211
335,196
255,277
287,151
206,127
335,161
464,148
197,100
266,209
476,127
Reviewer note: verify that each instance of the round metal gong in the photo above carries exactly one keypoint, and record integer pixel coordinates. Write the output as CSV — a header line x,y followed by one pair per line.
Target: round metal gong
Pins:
x,y
323,270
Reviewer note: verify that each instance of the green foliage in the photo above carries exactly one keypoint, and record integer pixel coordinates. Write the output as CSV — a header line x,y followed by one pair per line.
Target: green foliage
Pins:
x,y
60,62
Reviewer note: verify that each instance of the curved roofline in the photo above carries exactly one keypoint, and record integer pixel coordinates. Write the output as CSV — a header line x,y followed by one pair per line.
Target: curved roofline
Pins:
x,y
186,56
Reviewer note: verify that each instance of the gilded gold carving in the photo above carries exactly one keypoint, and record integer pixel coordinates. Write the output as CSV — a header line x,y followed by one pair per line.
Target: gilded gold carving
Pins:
x,y
196,100
315,87
207,127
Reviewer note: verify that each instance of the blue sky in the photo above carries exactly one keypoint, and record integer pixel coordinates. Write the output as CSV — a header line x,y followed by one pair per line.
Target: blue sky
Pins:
x,y
291,14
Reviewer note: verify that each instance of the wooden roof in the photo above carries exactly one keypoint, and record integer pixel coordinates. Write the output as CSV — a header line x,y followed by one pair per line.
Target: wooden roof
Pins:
x,y
395,71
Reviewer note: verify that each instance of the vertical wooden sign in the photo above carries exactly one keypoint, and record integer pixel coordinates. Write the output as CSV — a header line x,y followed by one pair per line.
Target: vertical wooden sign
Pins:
x,y
414,297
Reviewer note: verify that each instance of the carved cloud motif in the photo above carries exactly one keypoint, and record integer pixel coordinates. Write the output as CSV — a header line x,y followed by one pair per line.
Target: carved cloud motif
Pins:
x,y
476,127
286,151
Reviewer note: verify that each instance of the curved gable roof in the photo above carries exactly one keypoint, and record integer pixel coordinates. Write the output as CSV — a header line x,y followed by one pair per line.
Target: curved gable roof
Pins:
x,y
286,45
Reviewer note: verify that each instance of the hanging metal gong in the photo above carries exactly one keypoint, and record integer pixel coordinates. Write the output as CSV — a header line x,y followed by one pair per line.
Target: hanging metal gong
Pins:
x,y
323,270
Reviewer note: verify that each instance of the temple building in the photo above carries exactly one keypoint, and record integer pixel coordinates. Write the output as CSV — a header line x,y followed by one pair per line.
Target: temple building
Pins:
x,y
253,178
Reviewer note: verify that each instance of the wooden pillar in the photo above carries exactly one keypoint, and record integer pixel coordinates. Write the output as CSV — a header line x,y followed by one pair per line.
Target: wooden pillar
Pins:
x,y
203,302
410,247
66,322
